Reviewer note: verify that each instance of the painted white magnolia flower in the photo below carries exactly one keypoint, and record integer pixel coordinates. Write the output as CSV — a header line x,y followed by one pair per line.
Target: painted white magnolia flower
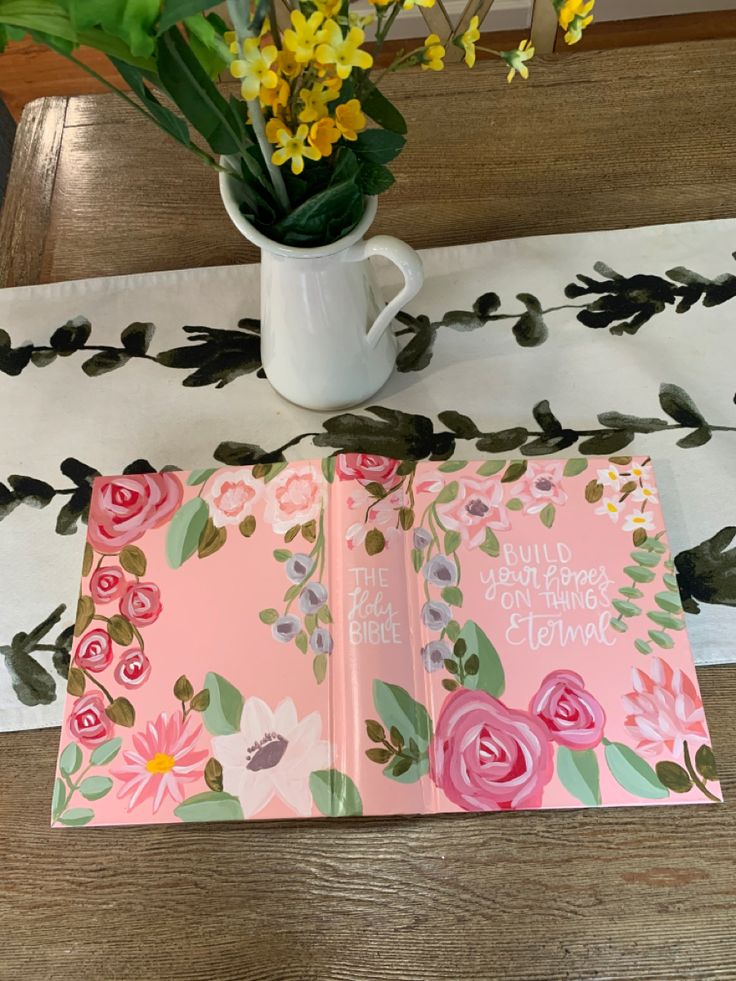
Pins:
x,y
611,507
610,478
639,519
645,493
273,754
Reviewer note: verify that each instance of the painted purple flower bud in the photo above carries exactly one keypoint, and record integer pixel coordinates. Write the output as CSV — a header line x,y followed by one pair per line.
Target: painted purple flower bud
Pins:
x,y
436,615
286,628
299,566
434,655
422,538
440,571
313,597
321,641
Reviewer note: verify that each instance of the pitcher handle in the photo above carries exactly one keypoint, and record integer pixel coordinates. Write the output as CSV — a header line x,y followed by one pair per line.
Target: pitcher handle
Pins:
x,y
410,265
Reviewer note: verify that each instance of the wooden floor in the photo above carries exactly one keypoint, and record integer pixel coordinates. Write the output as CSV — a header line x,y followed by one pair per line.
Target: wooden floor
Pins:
x,y
29,71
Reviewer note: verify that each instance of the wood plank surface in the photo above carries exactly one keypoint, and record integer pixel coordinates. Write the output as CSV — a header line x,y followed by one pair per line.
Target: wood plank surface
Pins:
x,y
631,893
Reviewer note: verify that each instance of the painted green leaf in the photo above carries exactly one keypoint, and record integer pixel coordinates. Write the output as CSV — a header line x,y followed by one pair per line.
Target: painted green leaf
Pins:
x,y
222,715
452,595
328,468
670,582
92,788
631,592
662,639
574,466
75,817
268,616
490,676
448,493
490,467
416,559
648,559
58,797
199,476
490,545
133,560
452,466
547,515
452,541
106,752
666,620
70,759
705,763
514,504
335,794
578,774
618,625
302,641
638,573
669,601
407,774
643,647
633,773
183,535
212,805
674,777
626,609
397,708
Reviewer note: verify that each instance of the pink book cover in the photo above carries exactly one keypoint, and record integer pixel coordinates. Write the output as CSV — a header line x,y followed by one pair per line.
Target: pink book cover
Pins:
x,y
360,635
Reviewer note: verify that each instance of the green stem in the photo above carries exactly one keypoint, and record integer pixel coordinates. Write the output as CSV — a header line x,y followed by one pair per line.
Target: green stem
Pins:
x,y
73,787
382,32
99,684
694,776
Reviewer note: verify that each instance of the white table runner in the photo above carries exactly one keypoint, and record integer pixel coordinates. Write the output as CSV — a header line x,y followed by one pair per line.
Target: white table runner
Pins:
x,y
607,343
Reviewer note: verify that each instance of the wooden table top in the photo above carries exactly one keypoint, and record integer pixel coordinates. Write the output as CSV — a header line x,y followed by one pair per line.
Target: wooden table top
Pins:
x,y
595,140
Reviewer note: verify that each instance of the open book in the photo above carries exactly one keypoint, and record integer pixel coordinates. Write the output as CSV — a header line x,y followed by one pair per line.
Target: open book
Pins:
x,y
360,635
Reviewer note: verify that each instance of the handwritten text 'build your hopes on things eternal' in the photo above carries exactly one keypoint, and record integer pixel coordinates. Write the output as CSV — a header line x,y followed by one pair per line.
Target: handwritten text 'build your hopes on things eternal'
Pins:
x,y
548,600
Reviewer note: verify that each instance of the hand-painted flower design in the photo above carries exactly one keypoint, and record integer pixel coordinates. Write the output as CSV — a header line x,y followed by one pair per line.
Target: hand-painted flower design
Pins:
x,y
163,760
294,497
313,597
541,485
87,721
645,493
440,571
639,519
273,754
94,651
132,669
374,513
478,505
572,715
286,628
231,495
299,566
434,655
123,508
321,641
610,477
436,615
487,757
107,583
611,507
421,538
365,467
664,709
141,604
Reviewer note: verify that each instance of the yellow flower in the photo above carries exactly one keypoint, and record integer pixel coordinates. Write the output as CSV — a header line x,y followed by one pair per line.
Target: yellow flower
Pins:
x,y
323,134
277,98
434,52
411,4
291,146
350,119
515,59
315,101
468,40
305,37
360,20
574,16
255,68
342,52
273,128
286,64
328,8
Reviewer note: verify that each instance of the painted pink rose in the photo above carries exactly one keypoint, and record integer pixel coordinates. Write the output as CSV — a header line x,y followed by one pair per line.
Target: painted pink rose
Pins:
x,y
664,709
365,467
87,721
231,495
477,506
132,669
573,717
294,497
541,485
123,508
107,584
141,604
94,651
487,757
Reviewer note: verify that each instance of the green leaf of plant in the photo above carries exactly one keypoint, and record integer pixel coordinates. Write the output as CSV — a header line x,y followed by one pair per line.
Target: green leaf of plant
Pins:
x,y
70,759
322,217
382,111
374,178
75,817
184,530
222,715
578,773
396,707
93,788
212,805
633,773
174,11
335,794
106,752
490,676
378,146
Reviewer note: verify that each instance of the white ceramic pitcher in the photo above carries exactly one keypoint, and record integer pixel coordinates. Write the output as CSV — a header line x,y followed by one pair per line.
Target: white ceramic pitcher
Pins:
x,y
325,337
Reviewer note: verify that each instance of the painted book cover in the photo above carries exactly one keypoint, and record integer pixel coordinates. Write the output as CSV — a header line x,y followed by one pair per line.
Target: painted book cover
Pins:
x,y
360,635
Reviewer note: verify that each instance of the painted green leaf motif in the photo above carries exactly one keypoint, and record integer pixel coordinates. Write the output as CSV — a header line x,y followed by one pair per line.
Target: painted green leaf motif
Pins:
x,y
643,647
70,760
618,625
199,476
490,676
184,531
75,817
491,545
452,542
448,493
661,639
669,602
335,794
578,773
452,466
574,466
58,798
106,752
212,805
415,771
452,595
666,620
649,559
514,504
222,715
638,573
626,609
491,467
397,708
328,468
633,773
416,559
92,788
547,515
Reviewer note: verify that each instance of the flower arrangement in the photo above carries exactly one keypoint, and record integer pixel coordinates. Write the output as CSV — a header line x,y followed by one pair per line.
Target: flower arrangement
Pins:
x,y
313,134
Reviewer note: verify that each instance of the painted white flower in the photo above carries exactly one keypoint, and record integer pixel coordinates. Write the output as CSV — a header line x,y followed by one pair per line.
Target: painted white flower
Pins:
x,y
610,478
294,497
273,754
231,495
382,514
639,519
640,472
611,507
645,493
